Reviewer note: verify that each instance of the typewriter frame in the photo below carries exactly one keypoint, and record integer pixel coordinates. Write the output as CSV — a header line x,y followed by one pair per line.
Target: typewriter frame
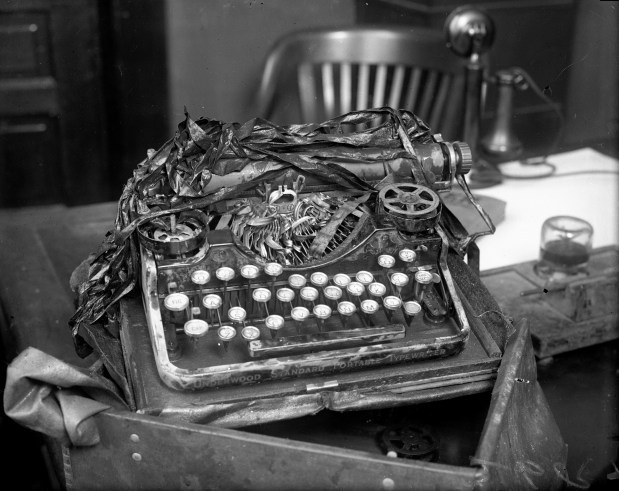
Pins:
x,y
322,362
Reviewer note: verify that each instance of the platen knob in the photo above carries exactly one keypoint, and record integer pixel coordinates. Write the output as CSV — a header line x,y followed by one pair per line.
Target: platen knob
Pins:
x,y
465,157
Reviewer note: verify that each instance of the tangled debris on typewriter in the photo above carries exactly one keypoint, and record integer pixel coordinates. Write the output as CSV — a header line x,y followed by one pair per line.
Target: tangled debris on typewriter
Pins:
x,y
323,246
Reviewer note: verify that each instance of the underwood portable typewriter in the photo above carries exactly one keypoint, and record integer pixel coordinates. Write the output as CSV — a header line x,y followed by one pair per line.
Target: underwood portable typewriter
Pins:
x,y
269,253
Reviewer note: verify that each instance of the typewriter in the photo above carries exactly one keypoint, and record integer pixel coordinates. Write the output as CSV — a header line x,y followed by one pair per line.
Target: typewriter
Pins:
x,y
296,275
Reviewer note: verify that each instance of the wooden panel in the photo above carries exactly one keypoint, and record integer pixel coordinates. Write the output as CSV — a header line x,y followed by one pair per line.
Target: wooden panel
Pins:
x,y
24,49
29,149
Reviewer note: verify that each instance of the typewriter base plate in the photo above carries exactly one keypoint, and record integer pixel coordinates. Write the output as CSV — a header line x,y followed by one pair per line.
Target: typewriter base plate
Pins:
x,y
473,370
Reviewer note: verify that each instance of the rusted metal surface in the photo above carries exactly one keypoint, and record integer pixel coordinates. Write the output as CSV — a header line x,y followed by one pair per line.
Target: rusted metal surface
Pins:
x,y
148,453
521,446
577,311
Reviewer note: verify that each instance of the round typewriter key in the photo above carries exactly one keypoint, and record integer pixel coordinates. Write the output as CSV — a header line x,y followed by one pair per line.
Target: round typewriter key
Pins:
x,y
319,279
273,269
342,280
386,261
407,255
224,273
212,301
369,306
355,289
249,271
346,309
237,314
225,335
399,280
274,323
333,293
422,280
176,302
299,315
364,277
200,277
285,295
261,295
309,294
392,303
322,313
250,333
195,328
424,277
296,281
411,308
377,289
436,278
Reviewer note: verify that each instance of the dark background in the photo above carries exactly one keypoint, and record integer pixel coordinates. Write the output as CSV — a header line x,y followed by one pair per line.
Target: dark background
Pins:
x,y
86,86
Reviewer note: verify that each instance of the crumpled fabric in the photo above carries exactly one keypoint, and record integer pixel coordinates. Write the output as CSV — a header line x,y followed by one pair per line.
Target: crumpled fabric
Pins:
x,y
52,397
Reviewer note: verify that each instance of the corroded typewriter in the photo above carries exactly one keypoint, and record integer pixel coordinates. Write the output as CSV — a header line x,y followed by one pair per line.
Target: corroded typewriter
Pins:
x,y
295,276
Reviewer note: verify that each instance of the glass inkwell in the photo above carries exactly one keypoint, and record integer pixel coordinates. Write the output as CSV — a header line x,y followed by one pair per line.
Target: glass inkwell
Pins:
x,y
565,247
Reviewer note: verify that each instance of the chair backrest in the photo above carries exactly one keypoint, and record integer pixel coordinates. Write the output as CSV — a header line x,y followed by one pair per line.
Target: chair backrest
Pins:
x,y
339,70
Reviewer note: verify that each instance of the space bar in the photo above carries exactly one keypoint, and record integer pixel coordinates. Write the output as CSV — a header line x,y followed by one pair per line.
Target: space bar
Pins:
x,y
325,340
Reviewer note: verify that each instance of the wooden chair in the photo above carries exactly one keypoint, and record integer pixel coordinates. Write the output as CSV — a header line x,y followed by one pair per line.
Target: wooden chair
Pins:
x,y
331,72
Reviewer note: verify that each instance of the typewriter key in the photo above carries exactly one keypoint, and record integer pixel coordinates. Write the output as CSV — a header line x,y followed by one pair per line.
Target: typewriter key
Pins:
x,y
261,296
422,281
225,274
195,329
399,281
200,278
237,315
346,310
386,262
299,315
250,333
333,294
322,313
391,304
177,303
212,303
355,290
407,255
369,308
249,272
309,294
296,281
274,323
364,277
411,309
285,297
377,289
319,280
342,280
225,335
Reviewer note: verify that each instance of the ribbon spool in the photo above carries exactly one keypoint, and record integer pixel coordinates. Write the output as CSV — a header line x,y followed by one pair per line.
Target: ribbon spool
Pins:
x,y
173,235
412,207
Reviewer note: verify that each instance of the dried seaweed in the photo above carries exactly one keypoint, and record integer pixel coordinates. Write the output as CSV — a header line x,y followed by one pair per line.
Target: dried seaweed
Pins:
x,y
176,178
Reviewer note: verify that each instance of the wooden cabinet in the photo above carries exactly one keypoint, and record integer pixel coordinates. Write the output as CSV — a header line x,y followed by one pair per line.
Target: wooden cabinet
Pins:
x,y
52,123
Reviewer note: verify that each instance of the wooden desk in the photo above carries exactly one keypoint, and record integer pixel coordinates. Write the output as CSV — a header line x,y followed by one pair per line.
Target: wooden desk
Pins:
x,y
40,247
